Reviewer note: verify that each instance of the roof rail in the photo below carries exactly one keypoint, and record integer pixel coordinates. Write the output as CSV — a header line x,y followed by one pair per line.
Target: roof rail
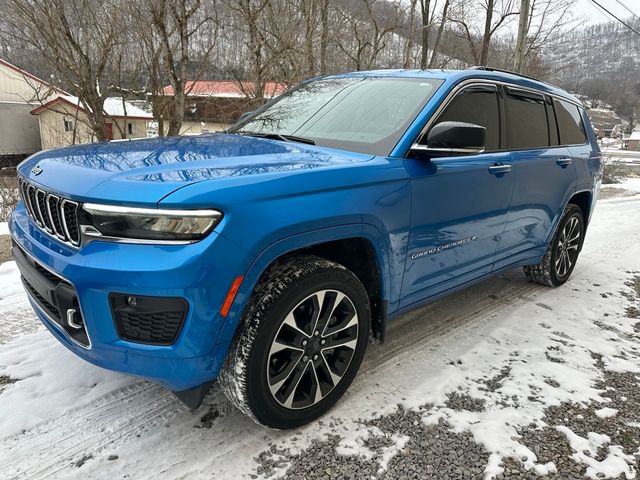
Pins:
x,y
501,70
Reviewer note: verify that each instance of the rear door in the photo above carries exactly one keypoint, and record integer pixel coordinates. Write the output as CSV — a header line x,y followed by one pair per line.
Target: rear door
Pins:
x,y
459,203
544,174
573,134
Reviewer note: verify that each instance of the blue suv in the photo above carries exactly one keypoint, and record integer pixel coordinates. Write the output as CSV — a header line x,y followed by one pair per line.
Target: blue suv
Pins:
x,y
267,257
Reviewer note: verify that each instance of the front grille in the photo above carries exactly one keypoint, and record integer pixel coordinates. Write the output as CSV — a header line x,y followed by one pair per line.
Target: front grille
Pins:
x,y
150,320
53,214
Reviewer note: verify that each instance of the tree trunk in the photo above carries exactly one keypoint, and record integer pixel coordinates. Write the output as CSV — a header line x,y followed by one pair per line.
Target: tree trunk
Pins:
x,y
412,31
518,61
324,36
486,38
425,5
436,44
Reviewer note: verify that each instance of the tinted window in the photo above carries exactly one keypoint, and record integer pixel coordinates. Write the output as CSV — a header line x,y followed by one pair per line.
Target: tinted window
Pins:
x,y
569,123
477,106
554,139
363,114
526,121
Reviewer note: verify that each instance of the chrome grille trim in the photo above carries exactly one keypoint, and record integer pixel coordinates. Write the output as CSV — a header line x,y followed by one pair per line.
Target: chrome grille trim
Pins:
x,y
48,212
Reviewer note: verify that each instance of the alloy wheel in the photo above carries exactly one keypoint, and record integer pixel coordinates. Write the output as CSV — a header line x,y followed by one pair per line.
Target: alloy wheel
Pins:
x,y
567,247
312,349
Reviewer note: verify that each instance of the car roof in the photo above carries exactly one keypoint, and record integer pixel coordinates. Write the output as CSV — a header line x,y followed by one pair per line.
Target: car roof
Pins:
x,y
456,76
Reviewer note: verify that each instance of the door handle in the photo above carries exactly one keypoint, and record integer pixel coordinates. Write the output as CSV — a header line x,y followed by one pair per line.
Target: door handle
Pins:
x,y
564,162
498,169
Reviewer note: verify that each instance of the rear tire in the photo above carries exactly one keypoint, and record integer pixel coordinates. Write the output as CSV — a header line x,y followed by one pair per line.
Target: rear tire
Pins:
x,y
561,256
300,342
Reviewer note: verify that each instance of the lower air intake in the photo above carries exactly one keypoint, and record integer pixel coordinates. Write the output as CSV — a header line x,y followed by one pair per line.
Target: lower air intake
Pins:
x,y
150,320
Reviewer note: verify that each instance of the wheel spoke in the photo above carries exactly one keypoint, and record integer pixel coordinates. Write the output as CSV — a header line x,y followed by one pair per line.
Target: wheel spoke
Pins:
x,y
349,342
290,320
331,302
279,345
318,395
276,383
318,303
565,266
335,378
292,385
350,321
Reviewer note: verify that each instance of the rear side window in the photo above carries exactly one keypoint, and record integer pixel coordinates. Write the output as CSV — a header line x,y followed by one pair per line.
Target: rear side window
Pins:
x,y
477,105
526,121
569,123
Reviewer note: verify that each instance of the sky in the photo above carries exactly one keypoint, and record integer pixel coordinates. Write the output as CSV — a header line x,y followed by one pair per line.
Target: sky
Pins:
x,y
593,15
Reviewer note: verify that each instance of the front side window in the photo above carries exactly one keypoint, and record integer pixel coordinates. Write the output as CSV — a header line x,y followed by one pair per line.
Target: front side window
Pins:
x,y
361,114
477,105
570,123
526,121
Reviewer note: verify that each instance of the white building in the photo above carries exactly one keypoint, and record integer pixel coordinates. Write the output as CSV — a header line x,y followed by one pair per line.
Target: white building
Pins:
x,y
64,121
20,92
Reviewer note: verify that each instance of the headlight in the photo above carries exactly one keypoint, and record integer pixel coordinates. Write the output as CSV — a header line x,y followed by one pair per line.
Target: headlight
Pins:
x,y
147,224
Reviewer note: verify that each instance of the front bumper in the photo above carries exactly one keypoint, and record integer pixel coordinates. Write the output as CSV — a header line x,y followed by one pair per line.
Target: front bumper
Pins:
x,y
200,273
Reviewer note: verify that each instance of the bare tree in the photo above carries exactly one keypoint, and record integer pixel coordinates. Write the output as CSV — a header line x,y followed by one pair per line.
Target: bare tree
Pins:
x,y
175,25
493,14
77,39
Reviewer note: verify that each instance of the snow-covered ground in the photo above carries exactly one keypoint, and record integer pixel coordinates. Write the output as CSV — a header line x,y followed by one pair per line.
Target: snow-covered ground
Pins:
x,y
496,366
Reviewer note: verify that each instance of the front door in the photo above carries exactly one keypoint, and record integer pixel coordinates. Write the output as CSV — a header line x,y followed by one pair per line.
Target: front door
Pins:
x,y
459,203
108,127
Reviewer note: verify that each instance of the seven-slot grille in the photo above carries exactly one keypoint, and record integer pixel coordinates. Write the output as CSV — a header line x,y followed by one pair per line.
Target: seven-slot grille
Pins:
x,y
56,215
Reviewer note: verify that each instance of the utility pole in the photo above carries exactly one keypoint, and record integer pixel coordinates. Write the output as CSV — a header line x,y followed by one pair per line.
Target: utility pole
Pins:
x,y
523,27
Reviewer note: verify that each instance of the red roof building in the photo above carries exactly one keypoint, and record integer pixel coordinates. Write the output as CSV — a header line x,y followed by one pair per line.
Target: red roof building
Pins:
x,y
213,105
227,89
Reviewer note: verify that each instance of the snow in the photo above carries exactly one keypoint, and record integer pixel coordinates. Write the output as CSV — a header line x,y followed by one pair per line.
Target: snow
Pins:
x,y
615,464
68,408
4,228
112,107
606,412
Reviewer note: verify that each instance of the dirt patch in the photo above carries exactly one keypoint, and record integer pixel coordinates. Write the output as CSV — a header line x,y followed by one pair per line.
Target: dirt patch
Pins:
x,y
5,380
615,192
5,248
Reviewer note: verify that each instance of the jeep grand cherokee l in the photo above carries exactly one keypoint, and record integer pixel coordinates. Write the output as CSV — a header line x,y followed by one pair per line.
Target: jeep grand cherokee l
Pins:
x,y
268,256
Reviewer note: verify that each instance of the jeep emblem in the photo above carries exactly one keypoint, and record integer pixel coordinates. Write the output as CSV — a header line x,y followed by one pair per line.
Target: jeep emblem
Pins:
x,y
37,170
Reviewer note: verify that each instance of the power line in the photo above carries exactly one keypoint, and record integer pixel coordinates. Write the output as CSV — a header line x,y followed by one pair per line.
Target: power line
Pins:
x,y
627,9
595,2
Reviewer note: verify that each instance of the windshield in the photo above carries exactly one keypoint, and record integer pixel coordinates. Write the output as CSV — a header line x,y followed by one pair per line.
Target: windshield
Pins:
x,y
361,114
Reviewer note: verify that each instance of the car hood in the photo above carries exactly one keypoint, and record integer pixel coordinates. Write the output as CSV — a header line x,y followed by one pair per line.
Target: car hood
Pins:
x,y
145,171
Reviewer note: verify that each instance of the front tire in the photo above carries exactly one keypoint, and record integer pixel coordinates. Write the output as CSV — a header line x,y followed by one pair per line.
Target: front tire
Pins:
x,y
561,256
300,343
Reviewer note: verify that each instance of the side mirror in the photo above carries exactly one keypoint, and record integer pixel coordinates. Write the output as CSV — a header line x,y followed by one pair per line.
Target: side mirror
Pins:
x,y
453,138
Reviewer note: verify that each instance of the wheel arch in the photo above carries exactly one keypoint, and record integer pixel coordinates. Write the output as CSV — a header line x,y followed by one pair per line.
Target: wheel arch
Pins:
x,y
584,201
358,247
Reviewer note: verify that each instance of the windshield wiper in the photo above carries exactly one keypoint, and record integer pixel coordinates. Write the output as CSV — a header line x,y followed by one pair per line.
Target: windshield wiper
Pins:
x,y
278,136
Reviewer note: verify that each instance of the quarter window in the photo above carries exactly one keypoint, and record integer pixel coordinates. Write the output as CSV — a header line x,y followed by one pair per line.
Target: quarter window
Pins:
x,y
570,123
526,121
477,105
